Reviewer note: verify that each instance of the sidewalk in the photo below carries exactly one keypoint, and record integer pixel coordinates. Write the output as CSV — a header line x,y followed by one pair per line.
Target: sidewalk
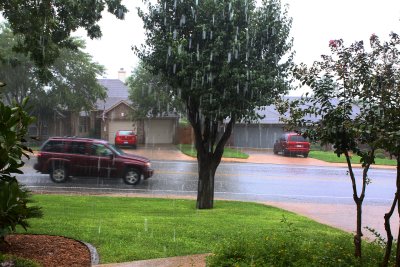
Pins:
x,y
337,215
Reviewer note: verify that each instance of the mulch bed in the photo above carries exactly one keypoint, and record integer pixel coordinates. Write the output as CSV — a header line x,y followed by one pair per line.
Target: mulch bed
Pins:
x,y
50,251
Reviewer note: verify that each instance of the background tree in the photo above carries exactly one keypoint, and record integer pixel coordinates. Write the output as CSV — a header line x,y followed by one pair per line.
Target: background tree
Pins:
x,y
73,85
222,59
45,26
341,112
150,95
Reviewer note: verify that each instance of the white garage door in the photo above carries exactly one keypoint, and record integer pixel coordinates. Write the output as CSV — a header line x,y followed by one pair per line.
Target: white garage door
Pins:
x,y
159,131
114,126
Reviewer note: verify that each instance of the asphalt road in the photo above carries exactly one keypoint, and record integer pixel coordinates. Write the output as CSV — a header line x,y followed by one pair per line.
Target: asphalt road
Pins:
x,y
236,181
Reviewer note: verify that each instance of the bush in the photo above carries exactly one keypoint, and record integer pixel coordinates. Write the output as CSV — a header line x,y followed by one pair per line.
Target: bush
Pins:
x,y
14,209
14,199
292,250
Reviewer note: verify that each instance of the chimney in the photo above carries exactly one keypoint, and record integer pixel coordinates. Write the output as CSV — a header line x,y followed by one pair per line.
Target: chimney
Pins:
x,y
122,74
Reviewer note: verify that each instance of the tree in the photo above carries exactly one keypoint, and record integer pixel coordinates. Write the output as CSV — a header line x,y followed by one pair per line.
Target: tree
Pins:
x,y
73,85
341,112
45,26
386,92
150,95
222,59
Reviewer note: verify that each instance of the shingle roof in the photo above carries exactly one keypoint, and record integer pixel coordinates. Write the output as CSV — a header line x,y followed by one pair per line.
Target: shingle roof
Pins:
x,y
116,91
272,115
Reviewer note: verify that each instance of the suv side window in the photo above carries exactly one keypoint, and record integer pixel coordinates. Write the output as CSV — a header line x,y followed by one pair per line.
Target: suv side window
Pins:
x,y
100,150
77,148
53,146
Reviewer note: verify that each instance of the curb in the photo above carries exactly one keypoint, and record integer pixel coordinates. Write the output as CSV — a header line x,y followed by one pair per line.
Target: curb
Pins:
x,y
94,255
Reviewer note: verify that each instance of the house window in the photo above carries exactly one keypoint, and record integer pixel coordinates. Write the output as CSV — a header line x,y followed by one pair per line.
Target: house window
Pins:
x,y
83,124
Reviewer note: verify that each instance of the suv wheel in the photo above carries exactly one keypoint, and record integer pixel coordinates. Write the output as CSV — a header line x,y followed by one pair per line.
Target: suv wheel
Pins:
x,y
132,176
305,155
58,174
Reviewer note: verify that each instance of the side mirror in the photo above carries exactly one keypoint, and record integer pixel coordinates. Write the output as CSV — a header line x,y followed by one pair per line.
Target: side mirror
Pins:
x,y
111,156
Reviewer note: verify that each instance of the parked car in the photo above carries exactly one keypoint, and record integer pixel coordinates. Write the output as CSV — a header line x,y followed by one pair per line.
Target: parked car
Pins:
x,y
292,144
61,157
125,138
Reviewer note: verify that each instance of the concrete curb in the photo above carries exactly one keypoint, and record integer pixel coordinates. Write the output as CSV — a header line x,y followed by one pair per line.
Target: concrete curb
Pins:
x,y
94,255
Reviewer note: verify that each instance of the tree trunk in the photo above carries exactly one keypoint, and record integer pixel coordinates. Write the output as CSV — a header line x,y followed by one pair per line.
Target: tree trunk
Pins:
x,y
389,235
397,264
359,234
205,192
358,201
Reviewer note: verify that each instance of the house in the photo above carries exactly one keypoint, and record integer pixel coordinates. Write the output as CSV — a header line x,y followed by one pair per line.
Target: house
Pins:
x,y
108,116
113,114
263,134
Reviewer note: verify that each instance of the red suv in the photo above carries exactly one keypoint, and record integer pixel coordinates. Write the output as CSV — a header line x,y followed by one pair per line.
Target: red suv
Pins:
x,y
69,156
292,144
125,138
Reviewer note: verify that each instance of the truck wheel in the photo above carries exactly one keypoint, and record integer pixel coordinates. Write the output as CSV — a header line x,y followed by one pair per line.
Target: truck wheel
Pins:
x,y
58,173
132,176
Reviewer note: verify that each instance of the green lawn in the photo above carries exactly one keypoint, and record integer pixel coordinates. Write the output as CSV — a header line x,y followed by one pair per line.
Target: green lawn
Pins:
x,y
126,229
190,150
329,156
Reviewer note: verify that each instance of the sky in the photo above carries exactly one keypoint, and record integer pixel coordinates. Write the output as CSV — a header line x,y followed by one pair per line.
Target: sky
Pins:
x,y
315,22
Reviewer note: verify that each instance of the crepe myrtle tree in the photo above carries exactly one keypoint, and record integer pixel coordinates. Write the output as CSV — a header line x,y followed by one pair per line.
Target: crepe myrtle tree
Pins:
x,y
386,90
222,59
46,25
341,111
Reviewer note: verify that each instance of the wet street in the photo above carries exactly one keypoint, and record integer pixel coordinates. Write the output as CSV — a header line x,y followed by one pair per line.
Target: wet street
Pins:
x,y
236,181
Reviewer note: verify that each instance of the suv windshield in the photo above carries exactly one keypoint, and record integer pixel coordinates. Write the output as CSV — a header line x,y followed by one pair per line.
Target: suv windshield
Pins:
x,y
117,150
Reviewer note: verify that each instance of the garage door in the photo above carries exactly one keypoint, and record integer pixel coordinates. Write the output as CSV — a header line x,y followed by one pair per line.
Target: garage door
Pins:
x,y
159,131
114,126
256,135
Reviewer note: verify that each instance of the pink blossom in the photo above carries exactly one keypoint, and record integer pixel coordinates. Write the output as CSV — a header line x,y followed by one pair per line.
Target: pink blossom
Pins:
x,y
332,43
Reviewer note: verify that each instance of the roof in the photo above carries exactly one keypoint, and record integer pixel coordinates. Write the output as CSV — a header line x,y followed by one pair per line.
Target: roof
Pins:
x,y
117,91
271,115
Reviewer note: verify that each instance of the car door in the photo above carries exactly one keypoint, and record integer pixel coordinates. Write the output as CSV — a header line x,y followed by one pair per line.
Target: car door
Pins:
x,y
101,160
76,154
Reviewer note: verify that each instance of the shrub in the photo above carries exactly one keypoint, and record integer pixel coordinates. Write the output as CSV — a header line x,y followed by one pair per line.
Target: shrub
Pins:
x,y
14,199
292,250
14,208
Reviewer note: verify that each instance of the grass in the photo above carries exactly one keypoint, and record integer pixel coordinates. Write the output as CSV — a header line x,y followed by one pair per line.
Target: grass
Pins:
x,y
127,229
191,151
329,156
